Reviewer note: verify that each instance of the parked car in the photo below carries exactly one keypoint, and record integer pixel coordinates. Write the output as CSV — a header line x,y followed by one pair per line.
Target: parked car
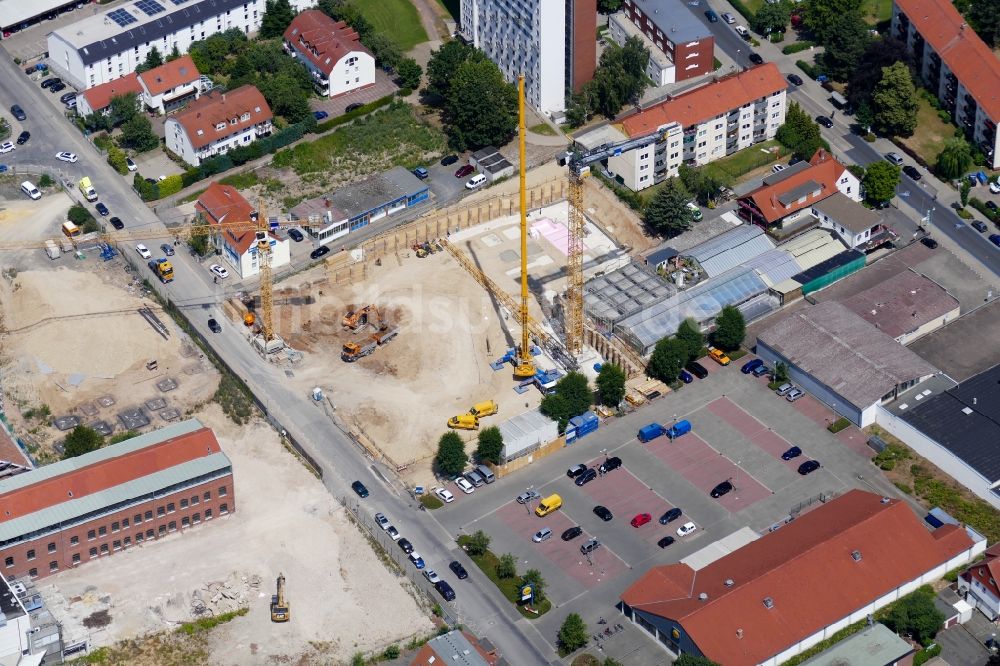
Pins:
x,y
457,568
572,533
117,223
992,206
67,157
421,173
995,239
794,394
214,326
445,590
130,164
808,467
23,137
760,370
894,158
464,485
665,541
418,561
728,18
320,115
612,463
795,79
712,16
696,369
721,489
685,529
590,546
59,86
352,107
586,477
50,81
445,495
464,171
979,226
102,209
995,187
143,251
295,235
784,389
319,252
405,546
360,489
912,172
751,365
392,532
431,576
382,521
6,147
670,516
18,113
219,270
448,160
168,249
67,97
719,356
527,496
929,242
641,519
756,59
824,121
791,453
686,377
603,513
575,471
541,535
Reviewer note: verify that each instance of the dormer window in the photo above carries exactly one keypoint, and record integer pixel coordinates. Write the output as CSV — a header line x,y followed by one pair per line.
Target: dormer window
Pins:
x,y
220,126
245,116
234,120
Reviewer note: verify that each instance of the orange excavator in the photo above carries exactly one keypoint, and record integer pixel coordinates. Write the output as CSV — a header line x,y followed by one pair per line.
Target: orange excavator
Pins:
x,y
355,319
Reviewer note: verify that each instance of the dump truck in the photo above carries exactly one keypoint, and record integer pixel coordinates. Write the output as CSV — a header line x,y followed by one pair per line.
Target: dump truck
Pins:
x,y
464,422
481,409
51,249
651,431
87,190
162,269
354,350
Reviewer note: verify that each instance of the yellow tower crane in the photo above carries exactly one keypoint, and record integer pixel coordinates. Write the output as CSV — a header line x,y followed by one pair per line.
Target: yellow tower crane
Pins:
x,y
267,340
525,368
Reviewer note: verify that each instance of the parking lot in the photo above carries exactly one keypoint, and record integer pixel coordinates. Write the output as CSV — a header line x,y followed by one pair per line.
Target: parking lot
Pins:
x,y
740,431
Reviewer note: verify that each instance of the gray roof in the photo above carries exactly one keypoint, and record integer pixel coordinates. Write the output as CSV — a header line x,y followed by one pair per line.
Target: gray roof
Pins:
x,y
730,249
775,265
787,172
799,191
675,20
359,198
902,303
97,38
844,352
877,645
848,213
660,255
495,163
455,648
624,292
483,153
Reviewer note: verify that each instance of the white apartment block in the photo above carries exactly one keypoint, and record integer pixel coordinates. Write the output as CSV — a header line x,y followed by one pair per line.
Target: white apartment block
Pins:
x,y
217,122
111,44
523,36
956,65
331,51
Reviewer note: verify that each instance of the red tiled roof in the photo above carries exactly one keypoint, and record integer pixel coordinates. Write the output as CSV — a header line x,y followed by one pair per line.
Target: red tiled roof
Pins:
x,y
322,40
220,108
10,451
170,75
708,101
825,171
971,60
105,474
223,203
808,571
986,572
100,96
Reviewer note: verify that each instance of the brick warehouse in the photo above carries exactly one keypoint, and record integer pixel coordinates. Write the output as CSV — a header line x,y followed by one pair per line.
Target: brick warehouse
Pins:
x,y
90,506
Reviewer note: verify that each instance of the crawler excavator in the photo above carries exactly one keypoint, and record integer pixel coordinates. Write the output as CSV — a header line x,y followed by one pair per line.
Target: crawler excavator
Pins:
x,y
280,608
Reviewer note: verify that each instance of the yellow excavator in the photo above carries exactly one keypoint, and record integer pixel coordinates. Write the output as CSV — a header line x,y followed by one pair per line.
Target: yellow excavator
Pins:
x,y
280,611
355,319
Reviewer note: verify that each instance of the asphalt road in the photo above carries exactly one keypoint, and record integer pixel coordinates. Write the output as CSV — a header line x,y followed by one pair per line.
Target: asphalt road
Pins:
x,y
477,604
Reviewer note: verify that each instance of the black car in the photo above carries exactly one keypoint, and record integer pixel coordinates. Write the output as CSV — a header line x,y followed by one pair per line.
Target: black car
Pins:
x,y
18,112
929,242
23,137
58,86
575,471
603,513
117,223
586,477
214,326
360,489
167,249
696,369
101,208
824,121
572,533
445,589
808,467
319,252
670,516
67,97
614,462
979,226
405,545
712,16
721,489
665,541
756,59
991,205
793,452
795,79
912,172
51,81
458,570
295,235
448,160
353,107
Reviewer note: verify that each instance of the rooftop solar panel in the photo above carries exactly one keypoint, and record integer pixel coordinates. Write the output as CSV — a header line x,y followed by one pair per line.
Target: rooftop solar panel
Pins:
x,y
121,17
150,7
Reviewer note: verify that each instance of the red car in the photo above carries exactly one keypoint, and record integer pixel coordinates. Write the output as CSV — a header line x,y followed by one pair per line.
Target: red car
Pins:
x,y
464,171
641,520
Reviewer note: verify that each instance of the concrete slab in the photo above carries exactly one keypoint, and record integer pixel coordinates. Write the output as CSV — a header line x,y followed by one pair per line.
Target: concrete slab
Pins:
x,y
65,422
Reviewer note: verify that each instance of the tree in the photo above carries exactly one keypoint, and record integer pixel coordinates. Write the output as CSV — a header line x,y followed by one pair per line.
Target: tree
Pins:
x,y
138,135
799,133
963,192
668,358
81,440
122,436
821,14
444,63
690,334
994,660
122,109
490,445
79,215
286,97
916,614
879,53
880,181
730,329
894,101
771,18
572,397
278,14
451,457
780,372
506,566
409,73
694,660
611,384
573,634
984,15
153,60
481,108
578,111
608,6
620,77
556,408
478,543
668,213
955,159
117,159
703,186
846,40
533,577
174,54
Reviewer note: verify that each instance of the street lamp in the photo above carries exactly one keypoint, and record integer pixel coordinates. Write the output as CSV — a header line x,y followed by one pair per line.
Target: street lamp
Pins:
x,y
527,503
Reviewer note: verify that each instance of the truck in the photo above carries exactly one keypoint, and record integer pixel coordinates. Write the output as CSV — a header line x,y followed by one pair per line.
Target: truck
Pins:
x,y
548,505
162,269
651,431
678,429
463,422
87,190
51,249
352,351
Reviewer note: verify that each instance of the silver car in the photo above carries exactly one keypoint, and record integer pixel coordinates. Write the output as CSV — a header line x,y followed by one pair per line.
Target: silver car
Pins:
x,y
794,395
785,389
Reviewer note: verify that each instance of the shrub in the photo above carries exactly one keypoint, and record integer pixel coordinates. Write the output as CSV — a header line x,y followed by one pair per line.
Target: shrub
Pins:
x,y
391,652
46,181
981,207
903,488
795,47
964,214
838,425
924,656
810,70
171,185
870,137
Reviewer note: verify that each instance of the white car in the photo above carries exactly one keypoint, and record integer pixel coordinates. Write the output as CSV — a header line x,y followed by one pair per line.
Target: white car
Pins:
x,y
6,147
685,529
219,270
130,164
382,521
143,251
66,157
445,495
728,18
431,576
995,187
464,485
393,532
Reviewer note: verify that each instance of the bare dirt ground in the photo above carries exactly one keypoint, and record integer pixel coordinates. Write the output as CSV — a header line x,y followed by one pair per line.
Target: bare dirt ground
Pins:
x,y
24,220
343,599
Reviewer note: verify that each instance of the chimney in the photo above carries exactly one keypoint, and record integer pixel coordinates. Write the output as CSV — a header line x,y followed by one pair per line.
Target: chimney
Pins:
x,y
768,602
729,582
223,97
856,555
703,597
739,634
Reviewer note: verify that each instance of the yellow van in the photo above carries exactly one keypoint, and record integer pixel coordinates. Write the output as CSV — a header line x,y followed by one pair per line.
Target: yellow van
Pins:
x,y
481,409
70,230
548,505
464,422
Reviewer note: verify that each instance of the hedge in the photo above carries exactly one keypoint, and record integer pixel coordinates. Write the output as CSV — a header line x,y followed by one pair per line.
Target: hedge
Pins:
x,y
981,207
171,185
810,70
795,47
838,425
327,125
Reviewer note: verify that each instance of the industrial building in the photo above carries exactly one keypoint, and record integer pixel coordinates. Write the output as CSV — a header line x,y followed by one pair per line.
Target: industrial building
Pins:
x,y
842,360
20,643
681,47
526,433
355,206
771,599
76,510
217,122
223,203
906,306
331,51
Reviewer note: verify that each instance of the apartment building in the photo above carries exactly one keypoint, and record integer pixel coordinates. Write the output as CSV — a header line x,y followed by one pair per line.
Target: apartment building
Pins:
x,y
218,122
110,44
681,47
331,51
220,204
700,126
171,85
956,65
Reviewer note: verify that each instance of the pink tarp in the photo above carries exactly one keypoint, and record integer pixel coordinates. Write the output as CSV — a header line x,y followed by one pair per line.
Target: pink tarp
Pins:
x,y
554,233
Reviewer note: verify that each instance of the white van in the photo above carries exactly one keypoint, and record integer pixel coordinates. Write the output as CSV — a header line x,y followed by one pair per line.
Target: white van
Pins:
x,y
28,188
475,181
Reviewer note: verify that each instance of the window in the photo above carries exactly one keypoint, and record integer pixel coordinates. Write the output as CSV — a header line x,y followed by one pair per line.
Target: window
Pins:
x,y
117,545
52,547
124,523
196,518
194,500
74,540
31,554
76,558
138,537
170,507
8,562
224,509
245,117
93,552
33,573
104,549
184,504
115,527
53,566
162,530
172,526
148,515
185,522
128,541
160,511
208,512
137,518
149,534
102,530
207,496
91,535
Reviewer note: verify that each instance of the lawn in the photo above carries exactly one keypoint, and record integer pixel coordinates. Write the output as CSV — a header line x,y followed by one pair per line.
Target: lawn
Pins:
x,y
928,140
396,19
510,587
876,11
542,128
730,168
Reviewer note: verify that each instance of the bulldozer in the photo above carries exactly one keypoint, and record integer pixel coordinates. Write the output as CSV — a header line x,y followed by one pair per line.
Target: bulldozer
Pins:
x,y
280,608
355,319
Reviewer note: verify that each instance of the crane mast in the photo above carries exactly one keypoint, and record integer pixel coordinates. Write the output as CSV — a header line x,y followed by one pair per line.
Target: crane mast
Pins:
x,y
525,365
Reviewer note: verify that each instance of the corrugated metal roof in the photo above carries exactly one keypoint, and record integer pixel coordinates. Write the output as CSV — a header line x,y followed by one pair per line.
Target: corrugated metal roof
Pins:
x,y
730,249
813,247
624,292
72,509
774,266
527,429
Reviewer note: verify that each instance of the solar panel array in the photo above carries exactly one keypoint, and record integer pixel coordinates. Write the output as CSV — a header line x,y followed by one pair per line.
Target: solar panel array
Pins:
x,y
178,2
150,7
121,17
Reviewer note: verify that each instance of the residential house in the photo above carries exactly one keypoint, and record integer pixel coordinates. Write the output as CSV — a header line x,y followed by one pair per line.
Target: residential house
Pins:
x,y
858,227
681,47
331,51
221,204
456,647
218,122
979,583
98,99
171,85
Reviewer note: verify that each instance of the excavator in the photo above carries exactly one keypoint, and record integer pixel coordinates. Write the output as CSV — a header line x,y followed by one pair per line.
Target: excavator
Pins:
x,y
355,319
280,608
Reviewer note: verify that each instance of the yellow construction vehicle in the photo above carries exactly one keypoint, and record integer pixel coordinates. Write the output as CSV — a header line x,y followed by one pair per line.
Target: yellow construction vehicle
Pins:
x,y
355,319
280,608
352,351
464,422
481,409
